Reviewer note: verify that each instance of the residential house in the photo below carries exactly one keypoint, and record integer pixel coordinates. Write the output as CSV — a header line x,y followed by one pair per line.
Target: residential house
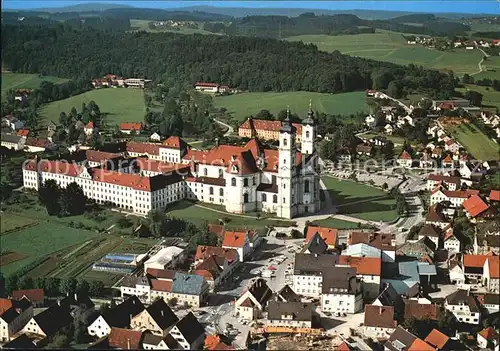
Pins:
x,y
341,291
400,340
217,342
434,180
490,303
12,122
388,129
34,145
125,339
13,317
431,232
368,271
491,274
48,322
188,333
212,269
463,306
426,161
448,162
23,132
379,322
482,270
436,218
286,294
418,310
475,207
456,198
494,196
405,160
309,271
253,301
289,314
12,141
35,296
488,339
207,87
157,318
77,303
240,241
370,121
438,340
386,243
456,273
390,297
364,149
422,249
131,127
450,242
156,342
155,137
379,141
315,245
329,235
189,289
21,342
119,316
451,145
486,243
437,152
89,128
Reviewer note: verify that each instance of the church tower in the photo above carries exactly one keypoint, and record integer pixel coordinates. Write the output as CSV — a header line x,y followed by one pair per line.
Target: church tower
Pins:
x,y
309,133
286,169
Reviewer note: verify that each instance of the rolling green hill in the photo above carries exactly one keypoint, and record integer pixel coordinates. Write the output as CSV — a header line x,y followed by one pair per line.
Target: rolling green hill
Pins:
x,y
25,81
392,47
246,104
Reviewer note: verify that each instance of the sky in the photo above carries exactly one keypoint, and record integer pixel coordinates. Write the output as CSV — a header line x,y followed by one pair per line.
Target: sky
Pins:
x,y
460,6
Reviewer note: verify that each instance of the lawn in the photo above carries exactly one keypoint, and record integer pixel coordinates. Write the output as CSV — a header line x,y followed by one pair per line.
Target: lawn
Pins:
x,y
39,241
12,222
361,201
392,47
475,141
201,216
337,223
26,81
117,105
491,68
246,104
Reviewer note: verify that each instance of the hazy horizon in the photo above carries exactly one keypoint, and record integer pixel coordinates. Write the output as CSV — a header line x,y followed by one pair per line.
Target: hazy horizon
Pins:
x,y
443,6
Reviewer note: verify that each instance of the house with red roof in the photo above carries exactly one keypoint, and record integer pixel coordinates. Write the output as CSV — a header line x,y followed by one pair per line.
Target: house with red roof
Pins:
x,y
329,235
488,338
207,87
89,128
491,274
216,264
483,270
437,339
475,207
131,127
379,322
450,241
455,197
35,296
405,160
451,183
494,196
239,241
23,132
368,270
265,129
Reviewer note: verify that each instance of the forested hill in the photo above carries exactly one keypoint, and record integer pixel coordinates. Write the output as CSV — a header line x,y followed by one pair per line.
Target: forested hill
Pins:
x,y
248,63
309,23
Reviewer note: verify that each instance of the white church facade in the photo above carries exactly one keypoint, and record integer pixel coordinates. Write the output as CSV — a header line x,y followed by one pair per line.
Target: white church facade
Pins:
x,y
242,179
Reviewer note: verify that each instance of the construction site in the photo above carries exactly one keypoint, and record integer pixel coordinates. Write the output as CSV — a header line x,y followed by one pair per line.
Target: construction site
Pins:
x,y
303,342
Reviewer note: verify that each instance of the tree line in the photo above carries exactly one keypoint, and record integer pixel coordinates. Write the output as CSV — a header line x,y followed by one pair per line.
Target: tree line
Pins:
x,y
246,63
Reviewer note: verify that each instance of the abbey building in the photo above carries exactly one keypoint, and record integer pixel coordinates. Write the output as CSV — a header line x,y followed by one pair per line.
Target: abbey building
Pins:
x,y
241,179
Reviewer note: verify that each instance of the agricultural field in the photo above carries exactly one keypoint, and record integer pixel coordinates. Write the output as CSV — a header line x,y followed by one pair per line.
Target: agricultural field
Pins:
x,y
200,216
26,81
392,47
11,222
246,104
361,201
144,25
475,141
38,241
491,68
117,105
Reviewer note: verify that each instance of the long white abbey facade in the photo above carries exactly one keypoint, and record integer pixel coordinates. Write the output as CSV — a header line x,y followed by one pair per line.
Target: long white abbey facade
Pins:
x,y
243,179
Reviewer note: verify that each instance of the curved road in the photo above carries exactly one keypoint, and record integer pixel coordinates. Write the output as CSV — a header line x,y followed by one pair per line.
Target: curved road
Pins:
x,y
230,130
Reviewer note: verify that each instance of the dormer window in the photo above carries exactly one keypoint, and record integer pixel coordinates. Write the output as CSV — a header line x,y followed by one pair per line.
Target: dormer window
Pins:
x,y
234,169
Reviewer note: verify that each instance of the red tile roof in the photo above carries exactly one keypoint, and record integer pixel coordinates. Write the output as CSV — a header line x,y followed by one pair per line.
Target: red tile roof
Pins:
x,y
161,285
329,235
39,142
437,339
488,333
204,252
267,125
448,159
173,142
131,126
363,265
474,205
135,181
125,339
161,273
443,178
147,164
476,261
34,295
5,304
464,194
494,195
214,342
381,241
494,266
143,148
203,84
420,345
23,132
217,229
379,316
99,156
421,311
234,239
89,125
343,347
405,156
